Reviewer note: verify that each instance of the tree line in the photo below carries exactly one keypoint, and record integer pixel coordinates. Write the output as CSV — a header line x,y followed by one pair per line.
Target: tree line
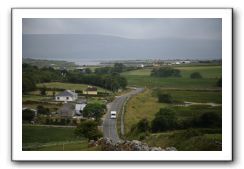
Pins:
x,y
32,75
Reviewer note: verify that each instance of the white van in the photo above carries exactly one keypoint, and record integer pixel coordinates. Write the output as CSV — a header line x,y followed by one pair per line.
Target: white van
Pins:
x,y
113,114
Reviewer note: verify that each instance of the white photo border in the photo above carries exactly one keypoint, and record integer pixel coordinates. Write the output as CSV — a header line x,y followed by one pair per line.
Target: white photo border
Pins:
x,y
227,79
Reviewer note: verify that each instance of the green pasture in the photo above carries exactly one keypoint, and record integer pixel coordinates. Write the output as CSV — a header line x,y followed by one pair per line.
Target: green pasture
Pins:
x,y
51,139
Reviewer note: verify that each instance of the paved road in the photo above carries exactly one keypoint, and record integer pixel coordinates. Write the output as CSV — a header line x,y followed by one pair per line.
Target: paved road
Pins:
x,y
109,125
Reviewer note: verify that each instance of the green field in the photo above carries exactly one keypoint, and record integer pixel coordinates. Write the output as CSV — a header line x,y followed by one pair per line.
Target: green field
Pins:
x,y
70,86
194,96
51,138
206,71
210,75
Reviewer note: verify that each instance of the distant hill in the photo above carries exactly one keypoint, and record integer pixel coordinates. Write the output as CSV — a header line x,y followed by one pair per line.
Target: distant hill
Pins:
x,y
49,63
73,47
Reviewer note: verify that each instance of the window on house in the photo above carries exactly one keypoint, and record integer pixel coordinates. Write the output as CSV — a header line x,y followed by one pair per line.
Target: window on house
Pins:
x,y
67,98
58,98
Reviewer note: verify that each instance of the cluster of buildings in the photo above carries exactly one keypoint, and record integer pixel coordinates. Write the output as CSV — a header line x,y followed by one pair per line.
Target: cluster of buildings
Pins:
x,y
72,105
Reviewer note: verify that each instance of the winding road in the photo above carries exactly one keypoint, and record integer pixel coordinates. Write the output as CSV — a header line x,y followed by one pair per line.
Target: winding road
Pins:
x,y
109,125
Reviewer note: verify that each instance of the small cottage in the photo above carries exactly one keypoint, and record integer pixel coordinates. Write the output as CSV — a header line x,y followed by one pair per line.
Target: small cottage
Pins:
x,y
66,95
90,90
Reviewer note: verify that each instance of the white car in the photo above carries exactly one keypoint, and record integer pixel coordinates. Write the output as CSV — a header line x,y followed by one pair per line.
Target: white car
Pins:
x,y
113,114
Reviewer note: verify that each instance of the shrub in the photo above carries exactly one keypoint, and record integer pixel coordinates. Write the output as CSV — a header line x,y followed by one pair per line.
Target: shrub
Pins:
x,y
219,82
164,98
28,115
43,91
210,119
165,72
195,75
141,127
42,110
164,120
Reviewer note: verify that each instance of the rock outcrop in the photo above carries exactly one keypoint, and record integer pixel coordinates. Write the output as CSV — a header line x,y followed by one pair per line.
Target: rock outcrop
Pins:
x,y
126,145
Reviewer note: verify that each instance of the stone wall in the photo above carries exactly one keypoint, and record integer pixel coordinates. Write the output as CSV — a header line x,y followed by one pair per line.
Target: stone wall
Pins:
x,y
126,145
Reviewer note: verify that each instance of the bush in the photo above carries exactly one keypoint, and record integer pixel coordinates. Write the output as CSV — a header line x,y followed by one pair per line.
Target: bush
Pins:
x,y
43,91
164,120
141,127
195,75
28,84
88,129
165,72
164,98
210,119
28,115
43,110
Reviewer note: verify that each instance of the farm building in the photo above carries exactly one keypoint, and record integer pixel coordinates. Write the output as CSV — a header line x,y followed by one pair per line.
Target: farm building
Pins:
x,y
90,90
66,95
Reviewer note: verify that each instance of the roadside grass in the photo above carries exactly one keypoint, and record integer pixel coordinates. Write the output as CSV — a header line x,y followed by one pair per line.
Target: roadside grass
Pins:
x,y
188,140
140,106
70,86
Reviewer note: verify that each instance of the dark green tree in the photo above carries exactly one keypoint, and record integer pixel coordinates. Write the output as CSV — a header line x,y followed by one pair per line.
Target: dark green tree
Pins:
x,y
219,82
195,75
165,98
28,115
42,110
94,110
165,72
43,91
28,84
88,129
164,120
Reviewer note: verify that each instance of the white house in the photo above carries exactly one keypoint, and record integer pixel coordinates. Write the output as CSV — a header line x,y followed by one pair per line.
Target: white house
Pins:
x,y
66,95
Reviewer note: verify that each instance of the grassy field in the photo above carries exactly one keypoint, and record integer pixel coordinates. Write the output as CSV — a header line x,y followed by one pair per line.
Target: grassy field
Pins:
x,y
194,96
210,75
52,139
70,86
183,83
206,71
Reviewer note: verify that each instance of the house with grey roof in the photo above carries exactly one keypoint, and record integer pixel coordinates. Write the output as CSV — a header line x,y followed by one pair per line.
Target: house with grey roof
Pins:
x,y
66,96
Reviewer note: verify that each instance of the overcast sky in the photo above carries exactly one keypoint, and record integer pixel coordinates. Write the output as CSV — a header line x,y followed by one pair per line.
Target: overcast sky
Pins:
x,y
188,31
128,28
